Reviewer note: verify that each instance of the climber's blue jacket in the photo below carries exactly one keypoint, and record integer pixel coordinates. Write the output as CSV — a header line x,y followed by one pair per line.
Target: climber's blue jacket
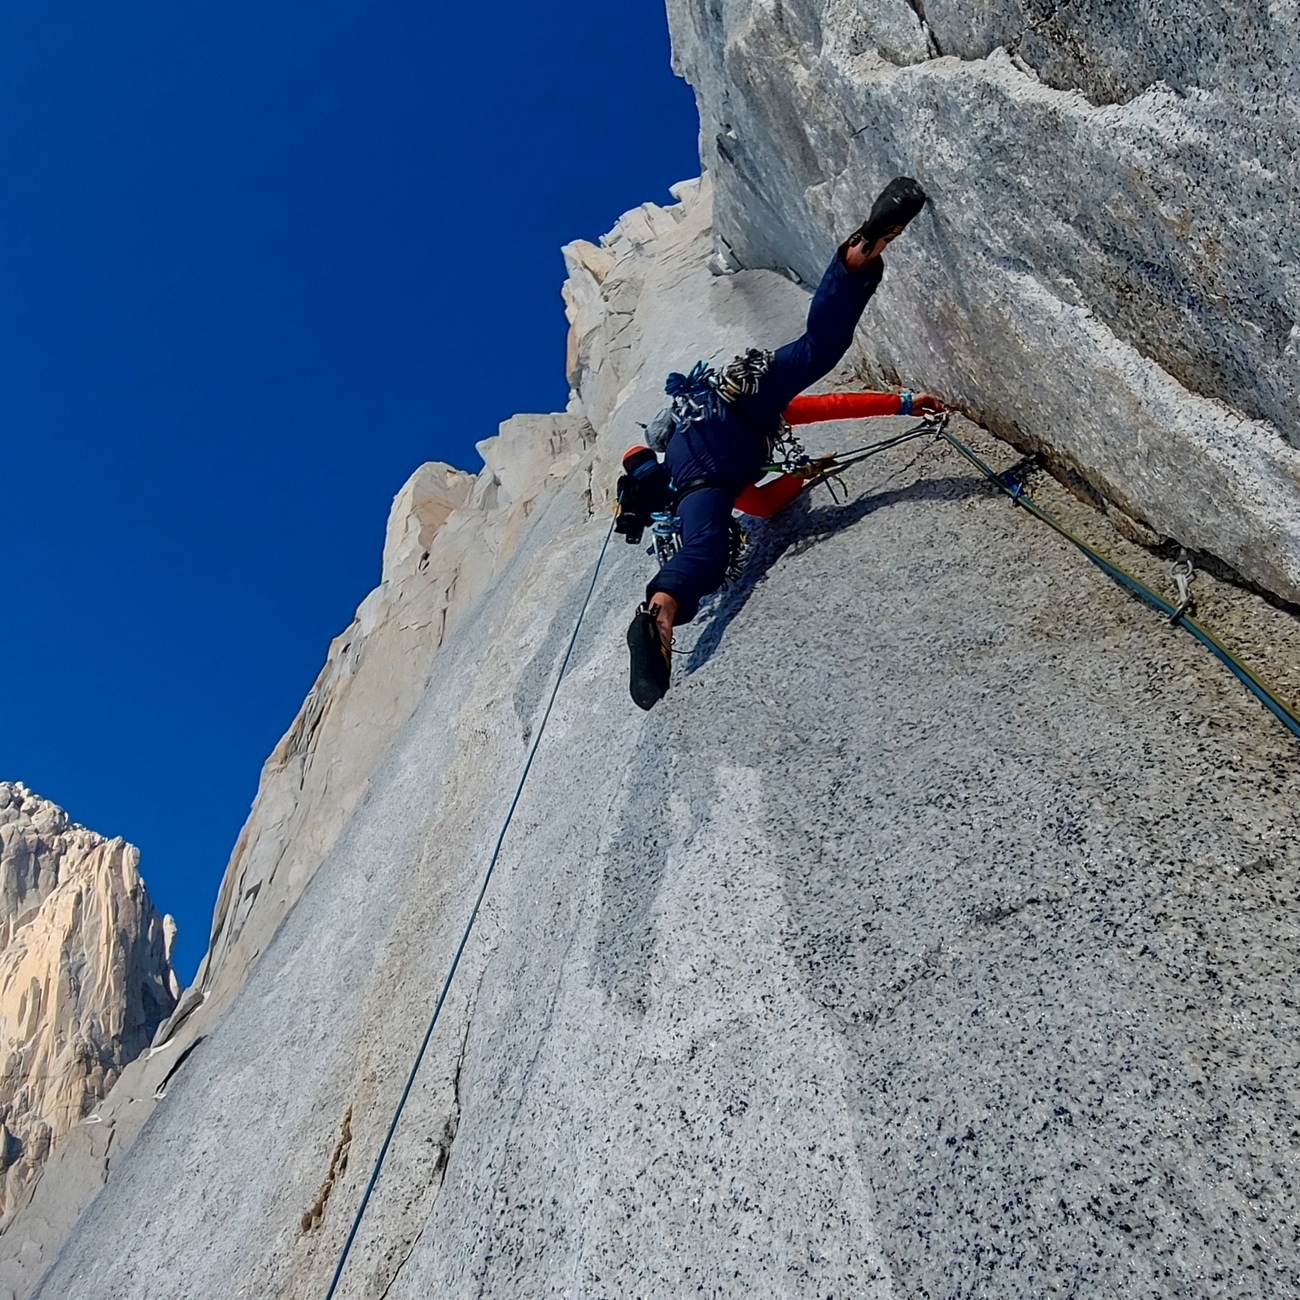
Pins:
x,y
730,447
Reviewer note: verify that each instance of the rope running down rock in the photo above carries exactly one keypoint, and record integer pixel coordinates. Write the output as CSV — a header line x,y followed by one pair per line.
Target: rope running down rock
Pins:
x,y
1018,497
1175,614
469,925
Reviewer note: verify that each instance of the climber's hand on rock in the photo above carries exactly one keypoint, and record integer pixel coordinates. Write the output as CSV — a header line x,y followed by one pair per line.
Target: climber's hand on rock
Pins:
x,y
924,404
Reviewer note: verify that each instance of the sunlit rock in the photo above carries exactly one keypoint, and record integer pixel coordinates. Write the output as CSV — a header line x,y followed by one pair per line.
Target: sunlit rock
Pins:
x,y
85,978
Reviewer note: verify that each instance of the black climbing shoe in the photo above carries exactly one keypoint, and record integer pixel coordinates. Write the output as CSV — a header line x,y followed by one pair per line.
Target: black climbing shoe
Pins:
x,y
651,660
898,203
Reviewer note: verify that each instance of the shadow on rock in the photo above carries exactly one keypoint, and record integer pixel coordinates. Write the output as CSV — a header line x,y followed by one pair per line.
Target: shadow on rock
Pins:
x,y
798,528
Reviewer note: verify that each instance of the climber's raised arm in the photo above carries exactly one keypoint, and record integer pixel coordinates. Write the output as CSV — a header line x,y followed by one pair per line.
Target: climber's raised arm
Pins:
x,y
762,502
810,409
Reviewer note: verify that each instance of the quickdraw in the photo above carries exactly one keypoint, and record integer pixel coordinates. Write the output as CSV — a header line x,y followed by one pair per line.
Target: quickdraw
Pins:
x,y
820,468
666,529
1182,573
785,448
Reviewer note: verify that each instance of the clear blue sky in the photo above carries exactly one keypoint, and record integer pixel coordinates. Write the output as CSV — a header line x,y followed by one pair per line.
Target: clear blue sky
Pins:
x,y
258,260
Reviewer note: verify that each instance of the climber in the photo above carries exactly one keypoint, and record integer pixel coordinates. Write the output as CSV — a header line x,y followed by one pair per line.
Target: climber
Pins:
x,y
719,430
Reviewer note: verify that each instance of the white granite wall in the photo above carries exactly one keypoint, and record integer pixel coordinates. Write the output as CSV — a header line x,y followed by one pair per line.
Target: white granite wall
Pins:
x,y
1109,269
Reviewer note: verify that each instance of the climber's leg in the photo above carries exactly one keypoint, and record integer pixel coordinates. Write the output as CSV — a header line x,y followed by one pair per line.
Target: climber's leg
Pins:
x,y
842,296
701,564
675,593
836,308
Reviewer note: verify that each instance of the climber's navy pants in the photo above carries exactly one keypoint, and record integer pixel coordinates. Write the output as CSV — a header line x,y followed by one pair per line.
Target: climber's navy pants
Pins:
x,y
732,448
701,565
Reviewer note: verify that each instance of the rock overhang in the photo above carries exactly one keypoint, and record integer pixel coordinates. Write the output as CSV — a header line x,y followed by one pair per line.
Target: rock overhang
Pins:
x,y
1110,283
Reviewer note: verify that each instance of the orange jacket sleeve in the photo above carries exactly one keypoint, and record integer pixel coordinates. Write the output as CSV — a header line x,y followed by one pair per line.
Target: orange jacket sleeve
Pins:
x,y
840,406
763,502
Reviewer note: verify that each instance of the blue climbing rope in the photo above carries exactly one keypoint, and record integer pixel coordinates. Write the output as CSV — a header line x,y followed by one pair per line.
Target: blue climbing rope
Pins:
x,y
469,926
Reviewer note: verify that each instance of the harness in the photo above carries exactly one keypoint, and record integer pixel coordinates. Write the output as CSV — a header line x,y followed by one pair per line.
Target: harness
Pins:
x,y
701,484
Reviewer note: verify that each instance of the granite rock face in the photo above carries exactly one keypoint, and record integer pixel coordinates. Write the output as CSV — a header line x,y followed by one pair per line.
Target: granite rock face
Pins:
x,y
934,936
85,978
1110,267
448,533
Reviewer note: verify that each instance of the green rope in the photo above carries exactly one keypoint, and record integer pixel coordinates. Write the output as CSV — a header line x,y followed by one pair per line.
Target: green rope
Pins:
x,y
867,449
1248,679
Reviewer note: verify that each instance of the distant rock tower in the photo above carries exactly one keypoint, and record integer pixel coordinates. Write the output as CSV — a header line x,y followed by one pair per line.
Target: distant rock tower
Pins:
x,y
85,978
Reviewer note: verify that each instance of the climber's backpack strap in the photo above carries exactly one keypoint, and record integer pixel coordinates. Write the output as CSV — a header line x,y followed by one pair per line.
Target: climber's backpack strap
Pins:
x,y
701,484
